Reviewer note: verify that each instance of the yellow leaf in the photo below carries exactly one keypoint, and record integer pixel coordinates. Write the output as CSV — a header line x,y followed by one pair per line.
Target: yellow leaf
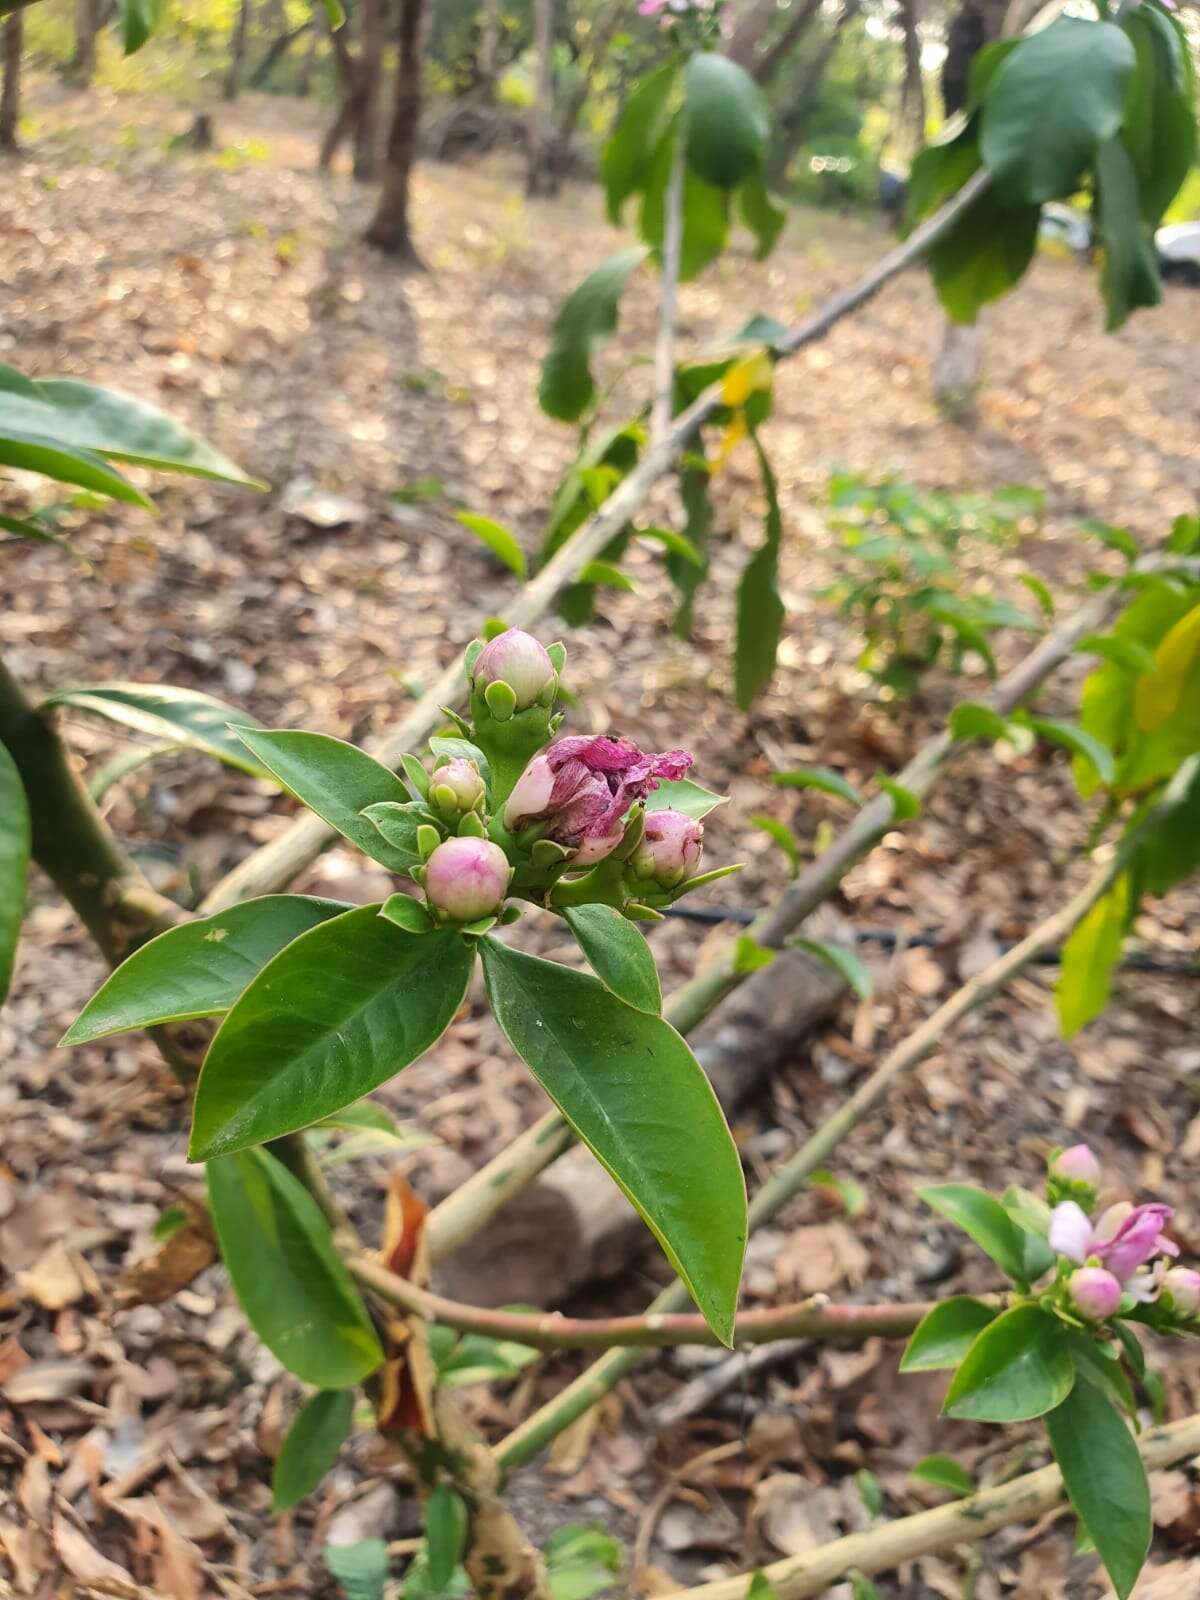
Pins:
x,y
1159,692
734,435
745,377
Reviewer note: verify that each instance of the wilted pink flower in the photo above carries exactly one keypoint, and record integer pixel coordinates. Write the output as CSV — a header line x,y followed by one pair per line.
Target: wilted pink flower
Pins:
x,y
1077,1165
1094,1292
582,786
670,849
1124,1238
1184,1285
517,659
651,8
462,783
466,878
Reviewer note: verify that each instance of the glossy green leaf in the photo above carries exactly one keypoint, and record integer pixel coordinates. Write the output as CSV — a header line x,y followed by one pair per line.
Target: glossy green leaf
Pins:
x,y
1100,1364
1105,1481
618,954
783,837
291,1282
1031,1215
939,171
339,1011
823,778
726,119
750,956
971,721
311,1446
588,315
675,544
625,162
1018,1368
406,911
399,826
337,781
764,219
186,717
681,794
445,1533
945,1334
501,541
360,1570
14,863
1159,128
983,1219
1129,275
944,1473
604,572
1079,742
33,452
905,804
1127,653
1090,958
760,610
627,1083
851,967
1054,100
984,255
199,968
471,1358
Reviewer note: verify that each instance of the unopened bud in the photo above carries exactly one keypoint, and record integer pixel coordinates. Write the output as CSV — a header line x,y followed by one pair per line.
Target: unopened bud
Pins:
x,y
518,660
670,850
467,878
1095,1293
1184,1286
456,787
1077,1165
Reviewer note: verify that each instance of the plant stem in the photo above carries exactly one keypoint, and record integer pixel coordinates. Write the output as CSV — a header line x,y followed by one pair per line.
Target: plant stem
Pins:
x,y
961,1522
807,1319
537,1431
274,865
664,350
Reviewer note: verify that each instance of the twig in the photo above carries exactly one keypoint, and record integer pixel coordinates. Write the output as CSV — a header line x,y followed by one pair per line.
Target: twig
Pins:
x,y
664,350
961,1522
592,1385
274,865
699,1392
811,1319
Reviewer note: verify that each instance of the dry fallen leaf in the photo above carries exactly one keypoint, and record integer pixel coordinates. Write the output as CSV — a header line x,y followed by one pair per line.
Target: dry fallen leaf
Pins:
x,y
53,1281
81,1558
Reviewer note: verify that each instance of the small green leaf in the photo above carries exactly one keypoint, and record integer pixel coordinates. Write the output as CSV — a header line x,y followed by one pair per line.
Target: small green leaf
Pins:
x,y
1032,1217
760,610
726,118
982,1217
15,835
626,158
1040,590
749,955
761,1588
861,1587
587,316
403,911
675,543
984,254
1090,958
335,12
500,541
945,1334
184,716
783,837
1105,1481
869,1491
400,825
169,1223
474,1358
852,968
764,219
970,721
604,572
1118,539
445,1533
852,1195
681,794
944,1473
905,804
1128,653
312,1445
823,778
1018,1368
618,954
200,968
291,1282
33,453
359,1570
1080,743
1129,275
581,1562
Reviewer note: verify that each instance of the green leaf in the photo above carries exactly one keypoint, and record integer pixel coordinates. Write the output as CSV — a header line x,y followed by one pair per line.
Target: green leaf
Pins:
x,y
290,1281
1090,957
626,159
618,954
971,721
675,544
1129,277
336,13
139,20
681,794
1170,852
750,956
1054,100
399,826
407,912
581,1562
861,1587
843,961
475,1358
627,1083
1159,129
939,171
32,452
186,717
359,1570
337,781
15,836
725,114
339,1011
499,540
869,1491
587,316
312,1445
606,573
761,1588
1080,743
944,1473
783,837
823,778
1019,1367
1115,538
21,529
905,804
199,968
983,1219
760,610
1031,1215
1100,1364
945,1334
1040,590
984,255
764,219
1127,653
1105,1481
169,1223
705,213
445,1533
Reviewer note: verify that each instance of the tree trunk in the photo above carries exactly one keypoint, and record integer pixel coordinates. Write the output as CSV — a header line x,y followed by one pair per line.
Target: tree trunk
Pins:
x,y
304,80
13,39
237,52
389,229
275,53
344,118
763,67
542,174
370,78
489,49
81,68
598,43
796,118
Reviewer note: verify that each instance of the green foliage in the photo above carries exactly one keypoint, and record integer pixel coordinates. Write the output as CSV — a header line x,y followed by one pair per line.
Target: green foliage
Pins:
x,y
359,1570
760,610
618,954
586,317
503,544
445,1534
581,1562
983,1219
1105,1480
603,1063
823,778
726,120
944,1473
1019,1367
945,1334
312,1445
14,863
185,719
463,1359
849,966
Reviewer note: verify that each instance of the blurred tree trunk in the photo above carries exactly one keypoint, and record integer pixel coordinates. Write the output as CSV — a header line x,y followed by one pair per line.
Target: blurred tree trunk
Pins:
x,y
370,81
744,46
237,52
81,68
796,118
342,125
389,229
912,98
598,42
13,31
489,50
542,173
305,75
275,53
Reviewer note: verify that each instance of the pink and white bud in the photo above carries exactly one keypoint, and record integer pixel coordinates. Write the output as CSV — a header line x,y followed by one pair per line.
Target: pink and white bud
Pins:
x,y
670,848
1094,1293
466,878
1077,1165
517,659
463,784
1184,1286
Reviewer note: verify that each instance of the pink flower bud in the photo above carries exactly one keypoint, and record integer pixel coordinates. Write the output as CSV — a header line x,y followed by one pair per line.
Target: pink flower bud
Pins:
x,y
1184,1285
1077,1165
466,878
670,848
517,659
1094,1292
462,779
